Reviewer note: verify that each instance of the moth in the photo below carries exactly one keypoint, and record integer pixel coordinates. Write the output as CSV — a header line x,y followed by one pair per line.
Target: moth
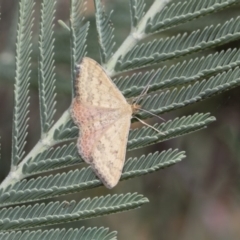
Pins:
x,y
103,116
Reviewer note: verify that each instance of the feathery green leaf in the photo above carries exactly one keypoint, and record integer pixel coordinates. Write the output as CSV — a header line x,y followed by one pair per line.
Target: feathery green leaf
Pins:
x,y
21,92
26,217
173,99
146,136
105,31
180,12
66,131
137,8
52,159
181,73
79,32
79,180
152,162
62,234
46,66
164,49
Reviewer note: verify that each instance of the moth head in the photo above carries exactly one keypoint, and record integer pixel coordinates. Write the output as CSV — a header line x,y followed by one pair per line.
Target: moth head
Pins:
x,y
135,108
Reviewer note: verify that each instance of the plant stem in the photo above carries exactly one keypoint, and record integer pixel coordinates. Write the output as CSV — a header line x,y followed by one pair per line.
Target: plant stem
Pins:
x,y
47,141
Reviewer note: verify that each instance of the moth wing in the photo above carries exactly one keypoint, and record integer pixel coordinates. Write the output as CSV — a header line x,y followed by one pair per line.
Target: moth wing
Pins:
x,y
103,116
93,86
109,152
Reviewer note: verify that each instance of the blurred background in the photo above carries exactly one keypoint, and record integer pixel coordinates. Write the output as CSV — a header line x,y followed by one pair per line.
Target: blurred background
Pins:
x,y
198,198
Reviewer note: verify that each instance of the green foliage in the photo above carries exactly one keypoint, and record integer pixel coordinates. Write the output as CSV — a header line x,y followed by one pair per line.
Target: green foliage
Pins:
x,y
173,86
147,136
23,63
51,159
24,217
71,234
164,49
105,32
46,66
79,31
178,13
79,180
137,9
181,73
174,98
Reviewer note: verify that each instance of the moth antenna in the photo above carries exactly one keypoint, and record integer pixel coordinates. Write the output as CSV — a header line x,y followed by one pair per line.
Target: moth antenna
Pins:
x,y
146,124
145,90
144,110
136,100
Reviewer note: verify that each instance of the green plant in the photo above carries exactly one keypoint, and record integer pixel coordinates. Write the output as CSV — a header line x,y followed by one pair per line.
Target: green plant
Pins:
x,y
174,87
